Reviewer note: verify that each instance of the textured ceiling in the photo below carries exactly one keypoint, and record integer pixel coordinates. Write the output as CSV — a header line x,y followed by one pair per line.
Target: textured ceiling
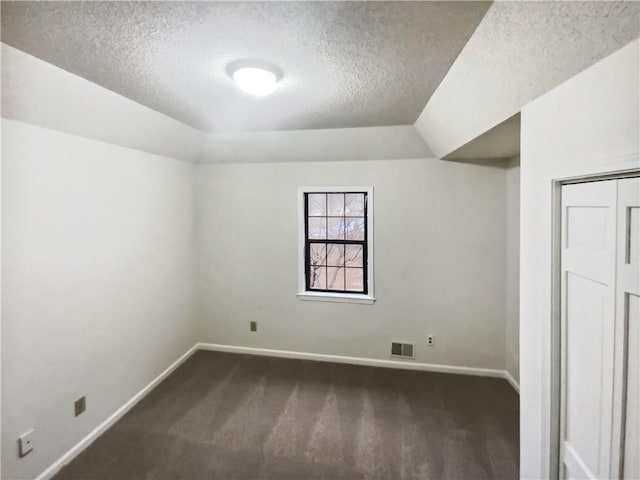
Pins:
x,y
500,142
345,64
520,51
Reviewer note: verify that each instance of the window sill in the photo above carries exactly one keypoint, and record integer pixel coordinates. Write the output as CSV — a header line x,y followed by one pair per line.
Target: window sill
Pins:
x,y
336,297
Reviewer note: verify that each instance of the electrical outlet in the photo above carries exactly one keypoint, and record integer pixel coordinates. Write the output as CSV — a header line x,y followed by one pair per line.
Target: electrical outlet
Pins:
x,y
253,326
25,444
431,341
80,405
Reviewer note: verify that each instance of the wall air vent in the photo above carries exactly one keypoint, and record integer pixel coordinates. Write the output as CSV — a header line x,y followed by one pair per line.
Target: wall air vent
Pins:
x,y
402,349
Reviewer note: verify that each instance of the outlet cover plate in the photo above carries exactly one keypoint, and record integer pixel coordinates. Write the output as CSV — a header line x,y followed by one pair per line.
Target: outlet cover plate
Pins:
x,y
25,443
80,405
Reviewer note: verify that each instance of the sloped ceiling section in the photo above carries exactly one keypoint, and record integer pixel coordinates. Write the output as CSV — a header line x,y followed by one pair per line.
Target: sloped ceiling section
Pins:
x,y
519,51
500,142
158,73
42,94
345,63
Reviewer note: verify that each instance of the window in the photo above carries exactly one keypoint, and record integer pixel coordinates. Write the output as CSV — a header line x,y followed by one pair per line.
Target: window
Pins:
x,y
335,228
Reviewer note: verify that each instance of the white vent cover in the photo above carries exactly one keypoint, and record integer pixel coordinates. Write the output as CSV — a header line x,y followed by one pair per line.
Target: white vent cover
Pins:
x,y
402,349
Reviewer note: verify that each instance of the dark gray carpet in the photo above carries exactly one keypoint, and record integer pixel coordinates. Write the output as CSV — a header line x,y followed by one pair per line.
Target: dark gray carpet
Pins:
x,y
227,416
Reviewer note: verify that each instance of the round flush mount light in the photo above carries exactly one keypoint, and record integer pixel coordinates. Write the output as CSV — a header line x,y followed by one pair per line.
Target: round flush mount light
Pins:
x,y
255,81
255,78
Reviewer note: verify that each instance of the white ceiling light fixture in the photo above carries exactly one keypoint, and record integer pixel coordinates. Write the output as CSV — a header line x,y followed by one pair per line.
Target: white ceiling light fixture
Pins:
x,y
255,80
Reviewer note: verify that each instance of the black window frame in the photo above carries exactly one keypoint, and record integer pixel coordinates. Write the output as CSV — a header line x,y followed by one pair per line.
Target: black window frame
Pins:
x,y
364,243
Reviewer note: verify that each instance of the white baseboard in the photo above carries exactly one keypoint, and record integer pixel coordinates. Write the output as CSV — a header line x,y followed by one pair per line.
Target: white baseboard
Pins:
x,y
372,362
113,418
512,381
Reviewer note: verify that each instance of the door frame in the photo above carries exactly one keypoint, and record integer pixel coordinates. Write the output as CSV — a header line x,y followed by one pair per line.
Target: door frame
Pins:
x,y
556,303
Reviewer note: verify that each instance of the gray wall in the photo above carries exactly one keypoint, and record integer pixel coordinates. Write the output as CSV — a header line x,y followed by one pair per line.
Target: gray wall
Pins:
x,y
512,328
97,283
439,260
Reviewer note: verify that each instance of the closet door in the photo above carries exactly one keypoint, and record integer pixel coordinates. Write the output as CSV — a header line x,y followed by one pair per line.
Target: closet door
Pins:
x,y
587,331
626,461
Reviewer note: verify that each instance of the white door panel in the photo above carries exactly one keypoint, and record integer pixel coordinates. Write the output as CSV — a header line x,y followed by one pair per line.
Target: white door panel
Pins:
x,y
589,229
586,331
631,459
588,286
600,330
633,234
627,417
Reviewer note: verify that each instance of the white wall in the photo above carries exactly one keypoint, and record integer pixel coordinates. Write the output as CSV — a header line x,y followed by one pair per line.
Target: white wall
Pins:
x,y
39,93
519,51
321,145
97,283
512,292
590,124
439,260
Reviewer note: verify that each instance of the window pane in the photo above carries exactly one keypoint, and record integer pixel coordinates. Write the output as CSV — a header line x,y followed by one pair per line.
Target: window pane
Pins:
x,y
317,227
355,282
354,228
354,204
317,254
335,255
317,277
353,256
335,204
317,204
336,228
335,278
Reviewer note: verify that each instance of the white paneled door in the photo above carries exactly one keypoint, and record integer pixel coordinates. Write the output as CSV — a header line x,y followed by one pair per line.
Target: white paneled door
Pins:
x,y
628,324
600,335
